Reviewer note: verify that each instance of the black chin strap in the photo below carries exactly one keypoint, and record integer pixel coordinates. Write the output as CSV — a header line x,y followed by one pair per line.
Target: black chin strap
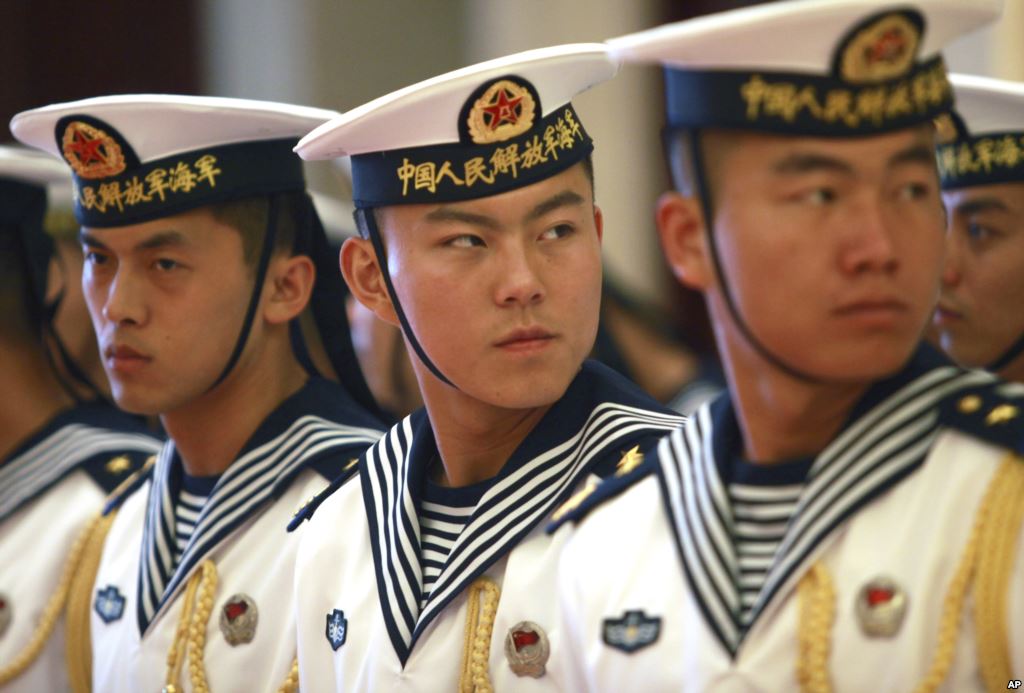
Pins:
x,y
1008,356
327,305
261,273
370,223
704,195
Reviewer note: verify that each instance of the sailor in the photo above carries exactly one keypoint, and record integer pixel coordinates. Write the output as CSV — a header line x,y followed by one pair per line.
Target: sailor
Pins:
x,y
978,320
203,251
481,239
848,515
63,447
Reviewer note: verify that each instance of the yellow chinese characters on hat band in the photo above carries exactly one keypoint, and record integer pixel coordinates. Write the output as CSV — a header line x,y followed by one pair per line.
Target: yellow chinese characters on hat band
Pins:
x,y
854,108
562,134
181,178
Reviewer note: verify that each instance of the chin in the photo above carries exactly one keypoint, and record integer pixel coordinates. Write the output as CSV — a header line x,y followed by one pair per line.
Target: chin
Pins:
x,y
528,393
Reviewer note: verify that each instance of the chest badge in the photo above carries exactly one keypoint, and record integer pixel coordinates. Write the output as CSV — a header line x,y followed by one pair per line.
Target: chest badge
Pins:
x,y
5,613
337,629
238,619
881,606
109,604
527,649
632,631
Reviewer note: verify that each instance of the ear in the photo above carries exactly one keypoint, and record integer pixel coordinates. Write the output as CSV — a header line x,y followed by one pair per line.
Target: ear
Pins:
x,y
684,240
287,288
599,223
363,275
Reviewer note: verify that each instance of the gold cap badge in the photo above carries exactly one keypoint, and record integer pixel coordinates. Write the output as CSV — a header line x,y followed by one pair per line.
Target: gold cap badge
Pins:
x,y
883,50
91,152
503,111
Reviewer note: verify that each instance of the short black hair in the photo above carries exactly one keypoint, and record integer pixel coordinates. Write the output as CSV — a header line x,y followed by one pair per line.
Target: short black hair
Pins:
x,y
249,217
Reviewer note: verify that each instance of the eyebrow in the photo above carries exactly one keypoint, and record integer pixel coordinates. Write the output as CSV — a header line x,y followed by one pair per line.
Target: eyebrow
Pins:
x,y
808,163
160,240
562,199
981,204
914,154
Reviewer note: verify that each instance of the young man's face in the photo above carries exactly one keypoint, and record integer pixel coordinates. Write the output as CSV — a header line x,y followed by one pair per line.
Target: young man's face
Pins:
x,y
502,292
167,300
979,315
832,247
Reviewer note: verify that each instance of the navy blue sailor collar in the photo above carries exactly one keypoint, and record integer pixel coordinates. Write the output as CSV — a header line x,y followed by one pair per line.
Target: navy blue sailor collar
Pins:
x,y
599,418
105,442
886,437
319,427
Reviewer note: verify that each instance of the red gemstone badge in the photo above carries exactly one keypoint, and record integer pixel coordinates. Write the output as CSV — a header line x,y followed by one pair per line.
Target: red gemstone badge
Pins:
x,y
238,619
527,649
881,606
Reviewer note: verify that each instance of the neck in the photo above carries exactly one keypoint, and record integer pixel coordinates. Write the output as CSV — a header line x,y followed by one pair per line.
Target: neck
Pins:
x,y
475,439
210,431
32,395
781,417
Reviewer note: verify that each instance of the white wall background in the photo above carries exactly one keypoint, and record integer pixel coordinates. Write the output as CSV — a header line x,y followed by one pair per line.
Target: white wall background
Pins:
x,y
341,53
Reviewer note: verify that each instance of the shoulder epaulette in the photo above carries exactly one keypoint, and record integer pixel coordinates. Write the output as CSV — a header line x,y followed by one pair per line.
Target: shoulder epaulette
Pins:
x,y
993,412
309,507
594,494
129,485
110,471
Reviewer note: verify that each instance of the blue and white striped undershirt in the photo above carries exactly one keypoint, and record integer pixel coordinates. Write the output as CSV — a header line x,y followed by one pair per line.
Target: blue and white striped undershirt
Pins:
x,y
444,513
763,499
192,496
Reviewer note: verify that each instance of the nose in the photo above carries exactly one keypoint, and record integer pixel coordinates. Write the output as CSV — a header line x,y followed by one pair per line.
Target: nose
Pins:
x,y
121,302
952,266
870,246
519,281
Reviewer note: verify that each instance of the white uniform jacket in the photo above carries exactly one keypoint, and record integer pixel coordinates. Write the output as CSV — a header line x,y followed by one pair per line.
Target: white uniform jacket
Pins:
x,y
249,635
875,567
50,487
358,577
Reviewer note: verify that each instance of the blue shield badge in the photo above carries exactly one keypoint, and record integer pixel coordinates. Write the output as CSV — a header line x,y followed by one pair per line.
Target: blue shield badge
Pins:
x,y
109,604
337,629
633,631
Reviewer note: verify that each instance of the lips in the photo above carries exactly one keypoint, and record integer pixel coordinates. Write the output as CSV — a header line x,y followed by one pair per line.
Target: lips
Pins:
x,y
945,313
123,359
871,305
525,338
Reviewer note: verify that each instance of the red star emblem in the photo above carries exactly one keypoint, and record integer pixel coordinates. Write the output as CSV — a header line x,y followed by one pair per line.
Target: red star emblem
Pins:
x,y
503,110
889,47
85,149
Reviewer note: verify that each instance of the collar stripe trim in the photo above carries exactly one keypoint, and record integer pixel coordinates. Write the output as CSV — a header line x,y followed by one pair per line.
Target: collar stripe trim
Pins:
x,y
249,483
881,448
533,490
46,463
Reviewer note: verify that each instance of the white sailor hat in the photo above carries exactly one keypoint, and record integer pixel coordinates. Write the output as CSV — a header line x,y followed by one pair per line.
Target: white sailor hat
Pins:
x,y
474,132
809,67
22,168
986,142
142,156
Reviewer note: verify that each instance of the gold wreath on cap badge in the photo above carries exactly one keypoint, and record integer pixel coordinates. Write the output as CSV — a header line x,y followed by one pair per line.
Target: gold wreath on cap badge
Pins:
x,y
505,110
881,51
90,152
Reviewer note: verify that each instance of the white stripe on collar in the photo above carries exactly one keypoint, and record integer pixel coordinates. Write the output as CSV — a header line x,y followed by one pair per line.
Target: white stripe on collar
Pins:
x,y
514,505
46,462
249,483
869,456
